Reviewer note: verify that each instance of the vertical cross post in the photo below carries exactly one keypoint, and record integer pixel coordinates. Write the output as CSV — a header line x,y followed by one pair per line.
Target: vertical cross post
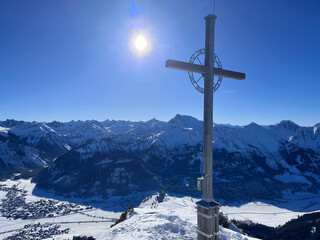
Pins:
x,y
208,107
207,208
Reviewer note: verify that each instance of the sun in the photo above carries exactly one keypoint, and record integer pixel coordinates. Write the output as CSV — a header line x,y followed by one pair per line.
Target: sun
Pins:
x,y
141,43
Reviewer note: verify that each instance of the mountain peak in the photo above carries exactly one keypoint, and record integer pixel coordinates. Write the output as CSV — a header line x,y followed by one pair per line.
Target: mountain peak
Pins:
x,y
182,118
185,122
11,123
55,124
253,124
153,120
316,128
288,124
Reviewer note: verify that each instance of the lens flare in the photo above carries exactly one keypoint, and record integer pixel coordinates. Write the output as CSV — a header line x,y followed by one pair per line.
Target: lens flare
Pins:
x,y
141,43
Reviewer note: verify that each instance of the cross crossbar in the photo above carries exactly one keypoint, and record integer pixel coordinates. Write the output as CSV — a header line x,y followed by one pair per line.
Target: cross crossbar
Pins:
x,y
229,74
184,66
191,67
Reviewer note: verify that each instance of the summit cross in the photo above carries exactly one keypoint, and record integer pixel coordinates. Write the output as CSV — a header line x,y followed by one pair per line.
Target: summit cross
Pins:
x,y
207,207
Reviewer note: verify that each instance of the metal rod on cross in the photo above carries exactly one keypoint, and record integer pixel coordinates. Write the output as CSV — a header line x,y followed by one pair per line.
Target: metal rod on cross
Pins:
x,y
207,207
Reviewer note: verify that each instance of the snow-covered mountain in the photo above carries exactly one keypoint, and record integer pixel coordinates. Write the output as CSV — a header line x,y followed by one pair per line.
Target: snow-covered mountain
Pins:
x,y
28,145
119,157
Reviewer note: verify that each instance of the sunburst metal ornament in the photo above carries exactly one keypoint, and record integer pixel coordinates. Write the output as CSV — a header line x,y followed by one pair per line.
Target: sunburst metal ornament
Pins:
x,y
195,83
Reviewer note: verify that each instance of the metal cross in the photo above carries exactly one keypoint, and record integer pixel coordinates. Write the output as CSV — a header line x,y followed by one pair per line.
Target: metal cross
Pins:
x,y
207,208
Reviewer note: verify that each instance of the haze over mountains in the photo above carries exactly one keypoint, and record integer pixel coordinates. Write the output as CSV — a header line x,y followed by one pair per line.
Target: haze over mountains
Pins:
x,y
86,158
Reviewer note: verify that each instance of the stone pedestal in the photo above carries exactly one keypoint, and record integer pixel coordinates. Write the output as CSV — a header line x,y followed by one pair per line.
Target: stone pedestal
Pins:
x,y
208,220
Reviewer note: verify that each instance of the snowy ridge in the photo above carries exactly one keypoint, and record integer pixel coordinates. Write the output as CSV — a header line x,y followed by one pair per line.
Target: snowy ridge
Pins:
x,y
175,218
248,160
179,130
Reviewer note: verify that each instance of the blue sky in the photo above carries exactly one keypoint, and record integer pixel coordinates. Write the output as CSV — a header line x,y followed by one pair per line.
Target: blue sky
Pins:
x,y
73,60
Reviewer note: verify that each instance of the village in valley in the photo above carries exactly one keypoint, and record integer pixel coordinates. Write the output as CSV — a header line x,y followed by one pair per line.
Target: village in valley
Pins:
x,y
42,218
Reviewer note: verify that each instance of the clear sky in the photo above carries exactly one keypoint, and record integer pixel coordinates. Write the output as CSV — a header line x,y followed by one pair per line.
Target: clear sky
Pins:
x,y
74,60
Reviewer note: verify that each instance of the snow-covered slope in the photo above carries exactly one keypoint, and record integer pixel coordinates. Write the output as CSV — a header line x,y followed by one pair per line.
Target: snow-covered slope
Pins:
x,y
174,218
159,216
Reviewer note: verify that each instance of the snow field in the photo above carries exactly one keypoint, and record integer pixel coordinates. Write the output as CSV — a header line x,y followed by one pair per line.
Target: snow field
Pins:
x,y
262,213
174,218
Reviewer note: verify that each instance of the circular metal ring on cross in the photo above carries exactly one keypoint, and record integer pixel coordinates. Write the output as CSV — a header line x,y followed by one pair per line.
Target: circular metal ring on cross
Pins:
x,y
194,82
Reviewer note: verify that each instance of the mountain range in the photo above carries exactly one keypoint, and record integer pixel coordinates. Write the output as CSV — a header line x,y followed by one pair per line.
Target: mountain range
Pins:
x,y
86,158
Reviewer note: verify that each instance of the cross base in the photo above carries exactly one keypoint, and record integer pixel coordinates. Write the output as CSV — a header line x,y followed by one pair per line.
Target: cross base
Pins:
x,y
208,220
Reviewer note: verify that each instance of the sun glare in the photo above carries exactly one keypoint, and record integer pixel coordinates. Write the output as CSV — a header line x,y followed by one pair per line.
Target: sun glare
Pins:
x,y
141,43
